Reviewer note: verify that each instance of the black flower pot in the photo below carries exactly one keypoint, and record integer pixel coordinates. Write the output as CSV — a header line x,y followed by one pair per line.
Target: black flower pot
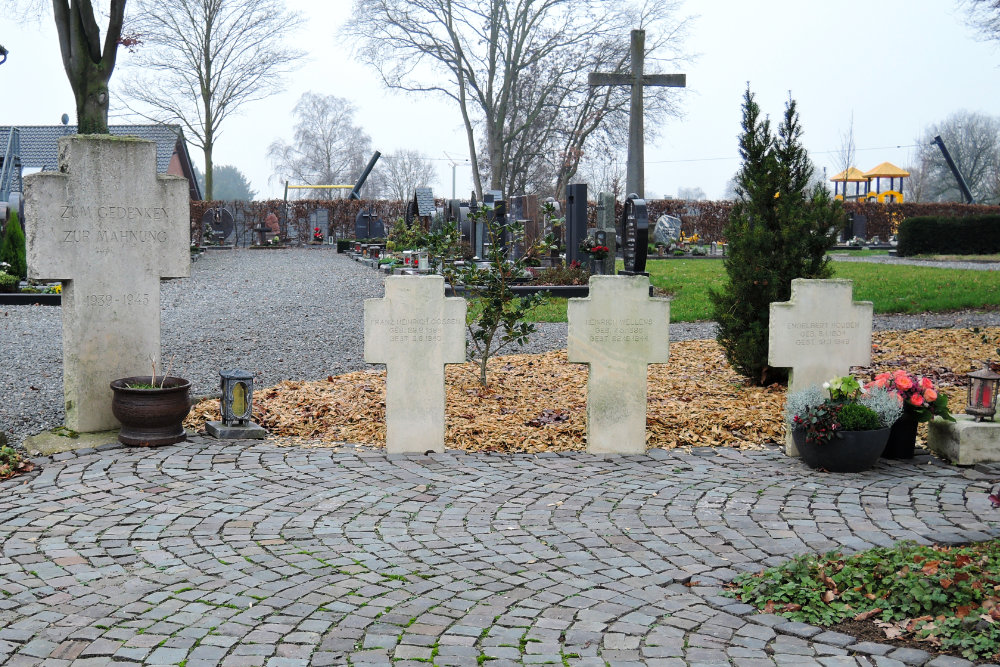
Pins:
x,y
849,451
902,438
151,417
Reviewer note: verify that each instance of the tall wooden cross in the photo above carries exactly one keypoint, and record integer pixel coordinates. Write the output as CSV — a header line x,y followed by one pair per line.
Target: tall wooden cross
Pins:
x,y
634,178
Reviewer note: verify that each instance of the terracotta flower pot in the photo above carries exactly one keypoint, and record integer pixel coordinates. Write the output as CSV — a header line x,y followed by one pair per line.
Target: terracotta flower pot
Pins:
x,y
151,417
850,451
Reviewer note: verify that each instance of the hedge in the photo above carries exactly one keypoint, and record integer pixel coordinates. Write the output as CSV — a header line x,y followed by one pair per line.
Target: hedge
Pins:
x,y
707,218
970,235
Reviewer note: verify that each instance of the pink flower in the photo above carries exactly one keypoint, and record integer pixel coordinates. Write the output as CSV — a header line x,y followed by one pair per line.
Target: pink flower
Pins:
x,y
925,383
902,380
916,400
930,395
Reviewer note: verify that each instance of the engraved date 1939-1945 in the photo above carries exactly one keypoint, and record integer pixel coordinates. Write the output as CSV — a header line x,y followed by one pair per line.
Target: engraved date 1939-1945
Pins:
x,y
103,300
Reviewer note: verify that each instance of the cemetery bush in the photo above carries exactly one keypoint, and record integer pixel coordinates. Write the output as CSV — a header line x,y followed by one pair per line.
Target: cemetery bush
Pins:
x,y
12,248
8,283
779,229
972,235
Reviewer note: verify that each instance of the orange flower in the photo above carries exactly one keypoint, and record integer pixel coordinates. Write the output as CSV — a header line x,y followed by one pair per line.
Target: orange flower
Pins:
x,y
930,395
902,380
916,400
925,383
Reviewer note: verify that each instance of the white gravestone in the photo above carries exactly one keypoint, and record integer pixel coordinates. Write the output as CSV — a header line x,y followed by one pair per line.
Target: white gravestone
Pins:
x,y
110,228
414,331
819,334
618,330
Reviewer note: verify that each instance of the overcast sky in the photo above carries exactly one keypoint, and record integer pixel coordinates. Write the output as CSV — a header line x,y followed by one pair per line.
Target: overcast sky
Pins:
x,y
897,65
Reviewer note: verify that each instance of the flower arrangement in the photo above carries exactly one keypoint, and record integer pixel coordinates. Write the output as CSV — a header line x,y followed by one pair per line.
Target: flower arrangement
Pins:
x,y
917,395
275,240
317,234
599,251
841,404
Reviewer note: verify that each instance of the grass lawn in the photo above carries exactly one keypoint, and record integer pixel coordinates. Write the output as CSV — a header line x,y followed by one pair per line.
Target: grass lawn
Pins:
x,y
892,288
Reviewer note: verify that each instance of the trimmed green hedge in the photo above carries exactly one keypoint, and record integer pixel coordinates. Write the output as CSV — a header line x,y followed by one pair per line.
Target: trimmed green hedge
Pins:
x,y
972,235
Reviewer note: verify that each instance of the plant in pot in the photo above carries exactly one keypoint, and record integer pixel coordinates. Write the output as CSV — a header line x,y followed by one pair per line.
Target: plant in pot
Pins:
x,y
841,426
921,402
151,409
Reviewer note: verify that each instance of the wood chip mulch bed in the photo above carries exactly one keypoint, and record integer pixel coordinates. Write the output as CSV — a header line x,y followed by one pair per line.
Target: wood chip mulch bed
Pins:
x,y
537,403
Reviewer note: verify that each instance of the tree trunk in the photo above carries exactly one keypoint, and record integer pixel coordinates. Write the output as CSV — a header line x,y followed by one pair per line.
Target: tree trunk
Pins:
x,y
87,66
207,194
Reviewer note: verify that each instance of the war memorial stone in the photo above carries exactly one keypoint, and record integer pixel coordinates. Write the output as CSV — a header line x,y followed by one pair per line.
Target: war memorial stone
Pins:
x,y
618,330
415,330
819,334
110,228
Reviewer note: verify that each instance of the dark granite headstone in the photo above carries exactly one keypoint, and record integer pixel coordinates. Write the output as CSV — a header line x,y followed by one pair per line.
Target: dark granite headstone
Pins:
x,y
635,236
576,221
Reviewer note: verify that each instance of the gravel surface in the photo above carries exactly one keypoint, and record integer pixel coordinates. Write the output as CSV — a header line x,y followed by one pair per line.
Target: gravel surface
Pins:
x,y
282,315
885,259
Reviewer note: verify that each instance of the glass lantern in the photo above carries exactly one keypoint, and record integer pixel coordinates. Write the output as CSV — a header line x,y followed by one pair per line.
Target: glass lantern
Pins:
x,y
237,397
983,386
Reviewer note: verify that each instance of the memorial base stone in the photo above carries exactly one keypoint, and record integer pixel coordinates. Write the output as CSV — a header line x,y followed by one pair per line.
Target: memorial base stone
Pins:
x,y
965,441
251,431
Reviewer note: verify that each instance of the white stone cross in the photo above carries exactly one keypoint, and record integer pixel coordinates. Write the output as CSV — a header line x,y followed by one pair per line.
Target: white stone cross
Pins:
x,y
819,334
618,330
110,228
414,331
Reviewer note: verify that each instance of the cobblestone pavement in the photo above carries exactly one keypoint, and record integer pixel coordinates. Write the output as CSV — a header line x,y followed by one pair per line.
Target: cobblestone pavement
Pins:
x,y
210,553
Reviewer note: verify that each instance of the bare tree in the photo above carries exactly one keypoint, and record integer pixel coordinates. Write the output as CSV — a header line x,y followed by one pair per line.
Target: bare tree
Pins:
x,y
403,171
847,155
328,149
201,60
516,69
88,65
973,140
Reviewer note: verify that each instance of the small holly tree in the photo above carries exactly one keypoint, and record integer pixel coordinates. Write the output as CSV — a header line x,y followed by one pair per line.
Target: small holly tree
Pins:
x,y
496,315
779,229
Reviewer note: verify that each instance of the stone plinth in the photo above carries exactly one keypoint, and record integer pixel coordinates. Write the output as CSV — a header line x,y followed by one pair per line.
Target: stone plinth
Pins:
x,y
249,431
415,330
820,333
965,441
618,330
110,228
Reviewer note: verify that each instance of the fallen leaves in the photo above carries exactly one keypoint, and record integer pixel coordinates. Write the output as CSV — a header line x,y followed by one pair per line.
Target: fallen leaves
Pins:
x,y
537,403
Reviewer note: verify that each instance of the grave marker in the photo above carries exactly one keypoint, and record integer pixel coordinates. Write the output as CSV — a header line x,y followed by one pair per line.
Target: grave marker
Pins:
x,y
618,330
819,334
110,228
606,224
414,331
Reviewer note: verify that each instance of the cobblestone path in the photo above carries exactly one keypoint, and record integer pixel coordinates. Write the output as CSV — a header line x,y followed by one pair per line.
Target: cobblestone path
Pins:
x,y
213,553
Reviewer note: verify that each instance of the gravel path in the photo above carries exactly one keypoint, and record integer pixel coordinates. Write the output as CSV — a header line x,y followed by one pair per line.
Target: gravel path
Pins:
x,y
282,315
885,259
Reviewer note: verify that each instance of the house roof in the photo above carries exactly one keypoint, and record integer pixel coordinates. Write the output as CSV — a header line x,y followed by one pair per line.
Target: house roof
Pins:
x,y
40,145
887,170
851,174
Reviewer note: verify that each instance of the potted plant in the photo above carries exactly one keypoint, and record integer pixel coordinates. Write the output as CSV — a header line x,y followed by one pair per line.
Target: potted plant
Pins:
x,y
841,426
151,409
921,402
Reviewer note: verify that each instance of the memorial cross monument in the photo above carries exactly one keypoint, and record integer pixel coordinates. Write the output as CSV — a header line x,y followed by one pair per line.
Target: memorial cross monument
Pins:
x,y
634,179
618,330
415,330
819,333
110,228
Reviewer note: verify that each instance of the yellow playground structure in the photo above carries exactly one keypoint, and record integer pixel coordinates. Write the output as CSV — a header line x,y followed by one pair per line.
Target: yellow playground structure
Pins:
x,y
863,188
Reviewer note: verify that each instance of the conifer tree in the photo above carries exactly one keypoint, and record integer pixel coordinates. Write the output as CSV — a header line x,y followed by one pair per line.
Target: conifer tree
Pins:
x,y
778,230
12,248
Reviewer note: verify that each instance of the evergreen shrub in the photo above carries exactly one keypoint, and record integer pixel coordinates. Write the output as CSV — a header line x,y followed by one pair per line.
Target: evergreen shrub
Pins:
x,y
936,235
12,248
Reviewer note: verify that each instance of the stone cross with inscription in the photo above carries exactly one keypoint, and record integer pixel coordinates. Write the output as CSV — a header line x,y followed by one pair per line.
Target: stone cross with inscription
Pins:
x,y
634,179
414,331
819,334
110,228
618,330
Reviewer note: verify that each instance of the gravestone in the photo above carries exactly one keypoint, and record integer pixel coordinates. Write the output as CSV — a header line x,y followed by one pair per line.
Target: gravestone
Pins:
x,y
635,236
618,330
819,334
606,224
576,222
524,209
218,225
667,230
414,331
110,228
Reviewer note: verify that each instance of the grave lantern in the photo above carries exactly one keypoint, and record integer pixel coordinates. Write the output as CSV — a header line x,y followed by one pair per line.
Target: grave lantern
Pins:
x,y
237,397
983,385
422,260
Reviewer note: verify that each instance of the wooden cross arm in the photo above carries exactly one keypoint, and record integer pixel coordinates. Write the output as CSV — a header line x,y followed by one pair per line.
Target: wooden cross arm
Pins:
x,y
613,79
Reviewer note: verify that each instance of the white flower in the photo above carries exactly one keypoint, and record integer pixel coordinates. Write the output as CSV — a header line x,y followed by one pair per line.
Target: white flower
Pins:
x,y
826,385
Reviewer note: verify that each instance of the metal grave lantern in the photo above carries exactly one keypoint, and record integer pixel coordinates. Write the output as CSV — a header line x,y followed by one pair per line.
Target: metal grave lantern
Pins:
x,y
237,397
237,407
983,385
